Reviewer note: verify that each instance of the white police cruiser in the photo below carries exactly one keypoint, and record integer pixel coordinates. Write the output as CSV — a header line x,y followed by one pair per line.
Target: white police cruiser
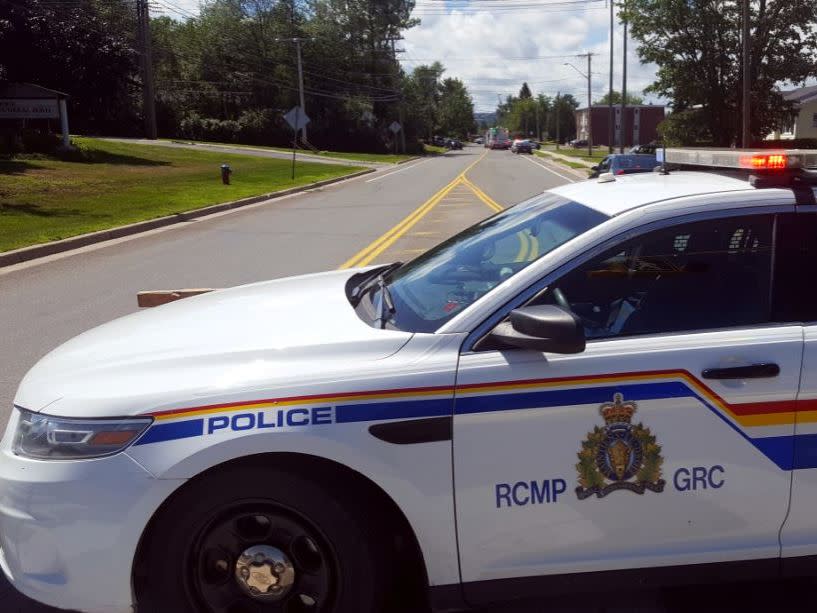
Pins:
x,y
611,383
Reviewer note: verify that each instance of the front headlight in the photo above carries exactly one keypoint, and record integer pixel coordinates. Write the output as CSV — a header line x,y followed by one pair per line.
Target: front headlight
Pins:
x,y
44,437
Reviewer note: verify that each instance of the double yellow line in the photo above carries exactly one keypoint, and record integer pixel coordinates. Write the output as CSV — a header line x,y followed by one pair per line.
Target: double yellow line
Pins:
x,y
370,252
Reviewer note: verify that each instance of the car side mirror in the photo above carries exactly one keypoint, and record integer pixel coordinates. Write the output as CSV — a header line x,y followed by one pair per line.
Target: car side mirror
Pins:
x,y
594,168
541,328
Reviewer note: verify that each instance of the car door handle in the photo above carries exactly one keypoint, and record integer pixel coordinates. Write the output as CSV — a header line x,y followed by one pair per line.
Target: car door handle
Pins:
x,y
753,371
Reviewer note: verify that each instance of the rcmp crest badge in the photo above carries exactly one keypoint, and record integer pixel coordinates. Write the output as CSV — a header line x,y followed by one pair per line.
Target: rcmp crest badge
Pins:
x,y
620,455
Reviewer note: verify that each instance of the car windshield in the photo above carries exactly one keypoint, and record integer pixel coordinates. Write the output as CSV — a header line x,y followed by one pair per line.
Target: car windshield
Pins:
x,y
433,288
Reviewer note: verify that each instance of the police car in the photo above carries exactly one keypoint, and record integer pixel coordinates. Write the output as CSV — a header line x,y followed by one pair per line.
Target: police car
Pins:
x,y
609,385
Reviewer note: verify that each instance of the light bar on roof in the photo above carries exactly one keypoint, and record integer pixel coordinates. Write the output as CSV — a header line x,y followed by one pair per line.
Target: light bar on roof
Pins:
x,y
751,159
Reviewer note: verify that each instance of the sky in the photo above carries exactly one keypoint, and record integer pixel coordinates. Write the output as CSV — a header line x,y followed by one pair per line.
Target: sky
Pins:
x,y
494,46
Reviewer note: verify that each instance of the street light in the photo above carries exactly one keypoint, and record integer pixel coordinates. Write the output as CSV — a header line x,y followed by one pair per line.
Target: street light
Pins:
x,y
589,105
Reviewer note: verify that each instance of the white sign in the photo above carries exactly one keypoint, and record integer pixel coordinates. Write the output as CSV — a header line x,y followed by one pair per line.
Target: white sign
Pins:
x,y
296,118
395,127
24,108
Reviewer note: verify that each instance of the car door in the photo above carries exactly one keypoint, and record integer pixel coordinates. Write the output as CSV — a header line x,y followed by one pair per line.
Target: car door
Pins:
x,y
666,442
797,298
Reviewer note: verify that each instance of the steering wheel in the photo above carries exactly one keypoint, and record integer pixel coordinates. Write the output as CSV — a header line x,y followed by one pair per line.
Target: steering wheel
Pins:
x,y
561,299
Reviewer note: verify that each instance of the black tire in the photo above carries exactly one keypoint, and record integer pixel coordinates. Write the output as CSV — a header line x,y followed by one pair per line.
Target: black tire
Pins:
x,y
179,573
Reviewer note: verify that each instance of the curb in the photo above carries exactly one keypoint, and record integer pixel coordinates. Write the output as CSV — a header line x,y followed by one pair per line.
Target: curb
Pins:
x,y
577,172
24,254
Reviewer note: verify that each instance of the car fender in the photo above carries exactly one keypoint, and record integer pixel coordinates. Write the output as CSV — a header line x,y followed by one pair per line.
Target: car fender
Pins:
x,y
416,477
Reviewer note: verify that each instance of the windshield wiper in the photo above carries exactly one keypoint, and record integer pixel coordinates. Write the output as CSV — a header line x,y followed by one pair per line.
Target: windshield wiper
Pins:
x,y
386,302
370,280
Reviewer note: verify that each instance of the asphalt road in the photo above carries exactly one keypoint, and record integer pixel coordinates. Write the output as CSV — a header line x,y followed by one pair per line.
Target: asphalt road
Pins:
x,y
46,302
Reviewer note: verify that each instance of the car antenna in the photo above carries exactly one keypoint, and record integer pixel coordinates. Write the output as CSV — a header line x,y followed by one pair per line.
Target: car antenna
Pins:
x,y
663,169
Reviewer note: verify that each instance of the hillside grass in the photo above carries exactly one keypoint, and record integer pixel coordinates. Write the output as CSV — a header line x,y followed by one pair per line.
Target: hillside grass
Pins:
x,y
382,158
108,184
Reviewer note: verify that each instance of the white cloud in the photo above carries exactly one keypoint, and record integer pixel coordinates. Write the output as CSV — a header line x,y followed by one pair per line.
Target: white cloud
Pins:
x,y
482,48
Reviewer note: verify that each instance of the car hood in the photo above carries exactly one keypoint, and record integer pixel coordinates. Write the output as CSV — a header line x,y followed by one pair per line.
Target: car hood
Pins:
x,y
251,337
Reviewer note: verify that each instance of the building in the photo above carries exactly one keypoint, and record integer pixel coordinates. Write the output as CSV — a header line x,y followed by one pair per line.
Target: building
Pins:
x,y
803,123
640,126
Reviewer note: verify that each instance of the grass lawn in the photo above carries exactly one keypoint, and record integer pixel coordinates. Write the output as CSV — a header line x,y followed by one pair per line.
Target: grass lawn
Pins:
x,y
553,158
433,149
383,158
599,153
44,199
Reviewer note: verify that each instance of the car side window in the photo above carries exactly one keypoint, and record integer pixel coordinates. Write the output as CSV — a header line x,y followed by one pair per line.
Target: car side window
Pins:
x,y
604,166
794,293
695,276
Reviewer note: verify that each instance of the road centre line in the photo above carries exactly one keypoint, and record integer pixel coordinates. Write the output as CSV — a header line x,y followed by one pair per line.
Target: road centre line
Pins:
x,y
394,172
366,255
551,170
482,195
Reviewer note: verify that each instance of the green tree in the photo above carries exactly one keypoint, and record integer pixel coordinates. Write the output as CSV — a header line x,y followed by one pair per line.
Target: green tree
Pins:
x,y
456,109
422,91
83,49
237,60
696,44
631,99
524,114
564,106
687,127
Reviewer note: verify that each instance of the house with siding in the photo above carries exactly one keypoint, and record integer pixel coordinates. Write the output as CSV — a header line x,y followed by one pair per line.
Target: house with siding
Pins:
x,y
803,123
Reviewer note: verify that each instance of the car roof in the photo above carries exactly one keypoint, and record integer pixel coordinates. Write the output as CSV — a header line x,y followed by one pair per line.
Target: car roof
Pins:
x,y
634,190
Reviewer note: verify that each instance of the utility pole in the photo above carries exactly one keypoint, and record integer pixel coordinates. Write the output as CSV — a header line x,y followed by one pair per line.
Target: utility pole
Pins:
x,y
611,117
557,120
298,40
624,92
746,136
538,131
148,93
589,110
399,99
588,55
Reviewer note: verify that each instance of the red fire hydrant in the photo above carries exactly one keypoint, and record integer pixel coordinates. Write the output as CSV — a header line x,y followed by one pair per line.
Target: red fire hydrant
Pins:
x,y
226,171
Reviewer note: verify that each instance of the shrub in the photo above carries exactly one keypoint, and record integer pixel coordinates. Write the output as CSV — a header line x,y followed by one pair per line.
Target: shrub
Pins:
x,y
196,127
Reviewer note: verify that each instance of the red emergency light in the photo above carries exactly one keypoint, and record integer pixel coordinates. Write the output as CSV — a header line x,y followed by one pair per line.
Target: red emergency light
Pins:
x,y
773,160
768,161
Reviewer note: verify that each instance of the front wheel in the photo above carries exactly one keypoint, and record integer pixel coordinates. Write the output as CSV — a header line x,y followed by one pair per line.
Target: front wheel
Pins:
x,y
254,539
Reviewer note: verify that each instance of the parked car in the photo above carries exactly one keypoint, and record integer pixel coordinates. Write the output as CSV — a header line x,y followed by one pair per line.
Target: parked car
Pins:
x,y
624,164
648,148
522,146
453,143
578,143
479,140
